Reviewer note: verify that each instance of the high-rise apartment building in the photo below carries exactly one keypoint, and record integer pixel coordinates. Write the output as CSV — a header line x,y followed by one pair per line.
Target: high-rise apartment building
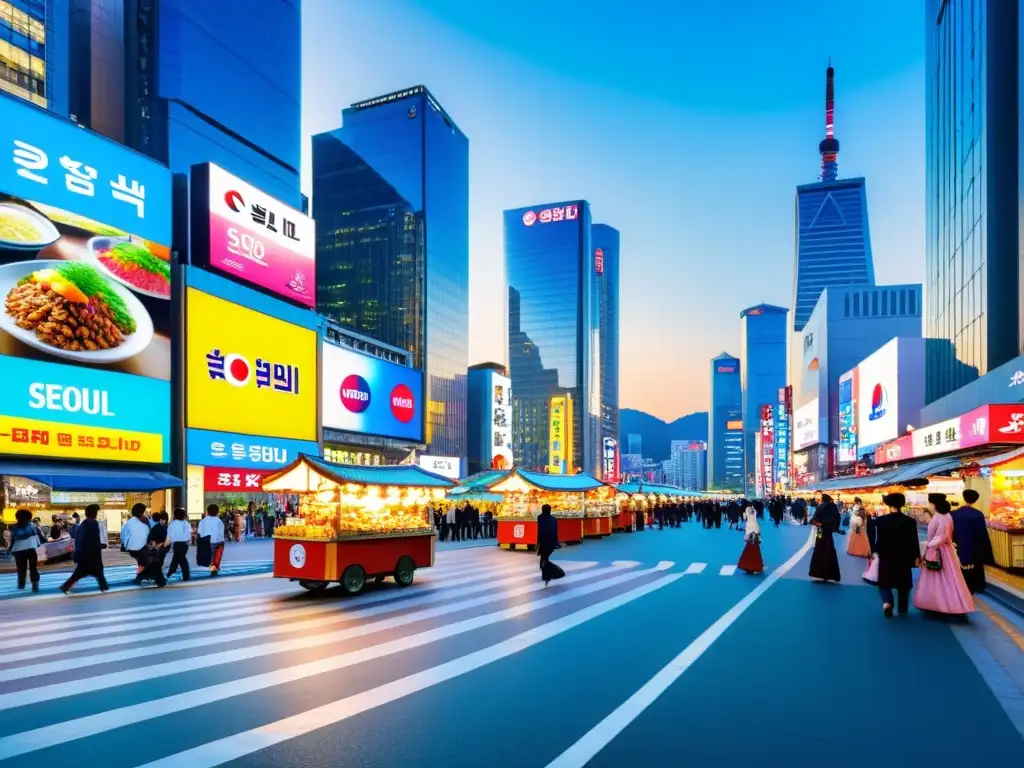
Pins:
x,y
763,364
973,150
34,51
554,331
605,242
725,425
690,460
391,203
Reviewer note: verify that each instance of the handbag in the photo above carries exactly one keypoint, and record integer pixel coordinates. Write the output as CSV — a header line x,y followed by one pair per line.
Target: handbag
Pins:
x,y
933,565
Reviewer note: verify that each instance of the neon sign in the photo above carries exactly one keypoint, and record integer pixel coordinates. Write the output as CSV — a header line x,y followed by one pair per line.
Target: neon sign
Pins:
x,y
599,261
549,215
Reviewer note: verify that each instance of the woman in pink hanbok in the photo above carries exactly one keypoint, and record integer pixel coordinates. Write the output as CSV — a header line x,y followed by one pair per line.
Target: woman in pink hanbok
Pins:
x,y
941,587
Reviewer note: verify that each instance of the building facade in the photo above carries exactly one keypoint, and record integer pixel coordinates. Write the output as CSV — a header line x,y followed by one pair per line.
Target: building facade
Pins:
x,y
34,51
635,445
554,330
974,136
725,425
391,201
763,365
605,242
690,459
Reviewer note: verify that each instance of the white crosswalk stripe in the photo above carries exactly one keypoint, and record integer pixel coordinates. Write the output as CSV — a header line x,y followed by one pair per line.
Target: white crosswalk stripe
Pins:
x,y
181,655
727,570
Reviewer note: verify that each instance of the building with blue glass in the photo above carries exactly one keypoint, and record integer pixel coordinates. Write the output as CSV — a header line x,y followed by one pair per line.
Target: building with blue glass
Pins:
x,y
554,330
391,203
763,366
605,241
973,151
34,52
725,425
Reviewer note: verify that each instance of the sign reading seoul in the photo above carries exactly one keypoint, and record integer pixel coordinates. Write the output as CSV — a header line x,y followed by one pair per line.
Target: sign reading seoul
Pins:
x,y
549,215
370,396
248,373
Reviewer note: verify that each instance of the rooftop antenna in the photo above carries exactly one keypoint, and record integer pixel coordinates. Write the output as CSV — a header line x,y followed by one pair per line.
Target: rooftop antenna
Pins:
x,y
829,146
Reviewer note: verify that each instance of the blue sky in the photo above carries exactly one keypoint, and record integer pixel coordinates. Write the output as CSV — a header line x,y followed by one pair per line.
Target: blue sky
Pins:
x,y
685,123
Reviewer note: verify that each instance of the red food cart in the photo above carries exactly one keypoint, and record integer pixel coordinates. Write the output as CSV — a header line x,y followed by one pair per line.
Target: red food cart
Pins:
x,y
355,523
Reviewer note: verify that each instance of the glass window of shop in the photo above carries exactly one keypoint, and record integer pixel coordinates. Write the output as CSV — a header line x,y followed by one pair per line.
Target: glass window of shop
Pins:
x,y
23,51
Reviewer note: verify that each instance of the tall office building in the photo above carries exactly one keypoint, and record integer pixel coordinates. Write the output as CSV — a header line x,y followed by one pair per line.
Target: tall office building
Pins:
x,y
554,331
391,203
34,51
973,138
605,242
635,445
763,363
833,242
725,425
690,459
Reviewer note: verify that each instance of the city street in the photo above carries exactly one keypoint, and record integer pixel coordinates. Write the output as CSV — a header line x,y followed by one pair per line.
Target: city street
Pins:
x,y
653,651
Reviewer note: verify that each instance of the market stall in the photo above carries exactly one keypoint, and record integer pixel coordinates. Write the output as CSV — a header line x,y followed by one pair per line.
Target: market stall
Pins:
x,y
600,510
355,522
525,492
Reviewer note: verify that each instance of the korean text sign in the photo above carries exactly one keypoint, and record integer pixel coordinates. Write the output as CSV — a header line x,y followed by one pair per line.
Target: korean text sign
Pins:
x,y
235,451
500,432
248,235
85,280
248,372
364,394
767,457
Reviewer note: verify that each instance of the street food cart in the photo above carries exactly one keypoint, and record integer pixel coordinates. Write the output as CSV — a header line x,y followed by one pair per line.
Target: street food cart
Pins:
x,y
600,509
355,523
525,492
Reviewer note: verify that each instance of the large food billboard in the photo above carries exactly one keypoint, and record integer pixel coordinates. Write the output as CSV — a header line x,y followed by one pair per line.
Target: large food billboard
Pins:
x,y
85,277
501,422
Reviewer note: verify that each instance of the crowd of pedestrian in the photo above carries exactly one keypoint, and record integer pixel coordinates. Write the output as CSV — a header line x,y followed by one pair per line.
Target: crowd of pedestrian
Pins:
x,y
463,522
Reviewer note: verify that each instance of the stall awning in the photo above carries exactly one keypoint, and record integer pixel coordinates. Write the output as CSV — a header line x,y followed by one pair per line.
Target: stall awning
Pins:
x,y
484,479
468,494
545,482
905,473
664,490
296,477
87,477
999,458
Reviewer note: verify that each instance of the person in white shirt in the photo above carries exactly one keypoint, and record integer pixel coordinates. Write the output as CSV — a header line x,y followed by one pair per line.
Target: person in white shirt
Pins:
x,y
210,546
135,535
179,536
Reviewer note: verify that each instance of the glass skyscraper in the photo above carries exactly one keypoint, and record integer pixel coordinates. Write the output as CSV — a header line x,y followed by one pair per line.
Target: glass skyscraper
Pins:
x,y
34,50
763,332
725,427
973,138
391,203
554,330
605,241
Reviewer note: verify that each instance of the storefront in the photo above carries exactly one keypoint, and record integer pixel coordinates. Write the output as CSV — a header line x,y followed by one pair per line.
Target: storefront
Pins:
x,y
86,330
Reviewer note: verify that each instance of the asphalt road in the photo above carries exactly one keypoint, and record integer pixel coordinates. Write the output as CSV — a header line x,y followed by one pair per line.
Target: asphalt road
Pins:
x,y
652,651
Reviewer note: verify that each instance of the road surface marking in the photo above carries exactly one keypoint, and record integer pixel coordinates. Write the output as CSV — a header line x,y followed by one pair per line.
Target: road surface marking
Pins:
x,y
248,742
727,570
78,728
694,568
602,734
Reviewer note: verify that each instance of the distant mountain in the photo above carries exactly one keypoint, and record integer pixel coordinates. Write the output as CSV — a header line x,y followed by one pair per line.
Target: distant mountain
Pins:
x,y
657,435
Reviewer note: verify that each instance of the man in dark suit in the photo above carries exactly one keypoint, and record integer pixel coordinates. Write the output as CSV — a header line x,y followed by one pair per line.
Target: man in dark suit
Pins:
x,y
899,552
973,546
89,546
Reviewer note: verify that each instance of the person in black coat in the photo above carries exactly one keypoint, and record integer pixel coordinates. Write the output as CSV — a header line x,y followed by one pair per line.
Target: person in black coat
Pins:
x,y
547,542
89,546
973,546
825,561
899,552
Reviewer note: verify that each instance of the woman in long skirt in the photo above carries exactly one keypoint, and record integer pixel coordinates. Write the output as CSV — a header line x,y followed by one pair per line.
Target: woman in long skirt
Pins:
x,y
750,560
941,587
825,561
858,544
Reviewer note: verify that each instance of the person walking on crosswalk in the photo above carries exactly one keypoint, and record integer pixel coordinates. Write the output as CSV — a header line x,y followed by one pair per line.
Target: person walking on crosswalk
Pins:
x,y
89,546
210,547
179,536
135,536
25,537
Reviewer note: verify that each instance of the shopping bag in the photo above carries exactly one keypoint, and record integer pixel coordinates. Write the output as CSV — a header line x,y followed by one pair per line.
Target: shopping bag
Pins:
x,y
204,552
551,572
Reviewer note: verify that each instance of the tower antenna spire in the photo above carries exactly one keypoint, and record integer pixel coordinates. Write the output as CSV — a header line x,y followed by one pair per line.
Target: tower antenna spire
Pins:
x,y
829,146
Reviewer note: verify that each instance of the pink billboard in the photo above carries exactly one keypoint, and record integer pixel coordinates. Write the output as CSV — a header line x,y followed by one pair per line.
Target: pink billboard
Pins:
x,y
252,237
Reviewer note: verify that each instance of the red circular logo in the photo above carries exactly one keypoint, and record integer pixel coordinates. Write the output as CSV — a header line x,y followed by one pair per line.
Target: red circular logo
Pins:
x,y
234,200
237,370
403,406
355,393
529,218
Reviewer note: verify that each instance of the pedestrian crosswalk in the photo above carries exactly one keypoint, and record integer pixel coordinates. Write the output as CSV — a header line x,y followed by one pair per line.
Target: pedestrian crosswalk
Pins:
x,y
301,661
117,576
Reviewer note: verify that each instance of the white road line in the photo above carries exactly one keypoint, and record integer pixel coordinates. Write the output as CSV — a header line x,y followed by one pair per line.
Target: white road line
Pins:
x,y
727,570
248,742
140,674
123,654
694,568
89,725
598,737
31,599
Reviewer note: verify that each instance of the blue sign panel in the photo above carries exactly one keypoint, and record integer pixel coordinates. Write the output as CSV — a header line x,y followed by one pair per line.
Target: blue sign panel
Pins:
x,y
228,449
782,440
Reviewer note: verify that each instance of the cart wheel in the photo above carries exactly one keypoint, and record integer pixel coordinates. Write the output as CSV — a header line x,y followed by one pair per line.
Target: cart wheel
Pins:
x,y
314,586
379,579
353,579
404,571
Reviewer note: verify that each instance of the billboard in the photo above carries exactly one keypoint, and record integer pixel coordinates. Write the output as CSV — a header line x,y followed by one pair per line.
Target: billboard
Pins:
x,y
610,460
878,395
766,455
243,233
364,394
783,423
85,276
560,437
848,417
501,422
247,372
805,425
446,466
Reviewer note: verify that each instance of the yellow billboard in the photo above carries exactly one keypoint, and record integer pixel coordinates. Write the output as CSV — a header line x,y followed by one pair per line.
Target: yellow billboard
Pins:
x,y
560,436
248,372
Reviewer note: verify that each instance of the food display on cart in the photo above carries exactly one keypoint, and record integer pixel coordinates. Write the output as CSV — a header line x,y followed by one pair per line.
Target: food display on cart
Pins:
x,y
600,508
355,523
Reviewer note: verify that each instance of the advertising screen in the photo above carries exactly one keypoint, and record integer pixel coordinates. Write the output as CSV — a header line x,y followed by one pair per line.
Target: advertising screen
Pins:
x,y
248,372
501,422
365,394
767,452
782,438
805,425
848,417
246,234
560,441
446,466
85,331
878,396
